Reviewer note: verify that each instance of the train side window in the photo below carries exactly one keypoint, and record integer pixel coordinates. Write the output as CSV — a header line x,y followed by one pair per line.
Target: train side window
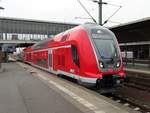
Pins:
x,y
75,55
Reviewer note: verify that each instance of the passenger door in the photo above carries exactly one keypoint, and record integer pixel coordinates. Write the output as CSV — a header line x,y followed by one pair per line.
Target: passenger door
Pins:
x,y
50,59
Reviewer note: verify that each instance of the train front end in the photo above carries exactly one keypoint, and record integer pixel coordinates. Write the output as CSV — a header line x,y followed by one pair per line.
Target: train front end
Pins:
x,y
108,57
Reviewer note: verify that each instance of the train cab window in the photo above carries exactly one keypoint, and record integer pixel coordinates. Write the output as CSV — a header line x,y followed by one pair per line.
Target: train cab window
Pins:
x,y
75,55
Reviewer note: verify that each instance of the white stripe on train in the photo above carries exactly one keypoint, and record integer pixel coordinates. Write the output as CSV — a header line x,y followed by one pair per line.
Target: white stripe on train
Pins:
x,y
82,79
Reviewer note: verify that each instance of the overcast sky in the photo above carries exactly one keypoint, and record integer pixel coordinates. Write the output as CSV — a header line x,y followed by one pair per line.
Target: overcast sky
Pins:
x,y
67,10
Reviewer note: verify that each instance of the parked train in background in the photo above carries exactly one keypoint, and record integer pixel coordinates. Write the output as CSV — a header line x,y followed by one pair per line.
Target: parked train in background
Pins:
x,y
88,53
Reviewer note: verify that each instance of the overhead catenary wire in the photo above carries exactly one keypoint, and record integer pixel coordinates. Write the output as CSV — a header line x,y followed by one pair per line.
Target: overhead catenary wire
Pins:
x,y
86,11
112,14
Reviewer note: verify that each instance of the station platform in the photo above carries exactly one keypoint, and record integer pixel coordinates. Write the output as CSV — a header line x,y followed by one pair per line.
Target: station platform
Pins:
x,y
25,89
137,69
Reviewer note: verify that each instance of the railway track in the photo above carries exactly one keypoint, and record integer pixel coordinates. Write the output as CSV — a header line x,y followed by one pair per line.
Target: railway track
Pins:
x,y
134,98
129,103
138,80
125,97
136,91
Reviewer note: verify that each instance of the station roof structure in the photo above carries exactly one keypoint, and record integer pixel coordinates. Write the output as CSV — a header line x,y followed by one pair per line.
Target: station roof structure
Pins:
x,y
23,30
133,33
31,26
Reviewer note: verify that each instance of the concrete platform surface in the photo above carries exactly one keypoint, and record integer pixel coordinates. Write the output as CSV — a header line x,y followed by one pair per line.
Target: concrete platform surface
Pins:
x,y
20,92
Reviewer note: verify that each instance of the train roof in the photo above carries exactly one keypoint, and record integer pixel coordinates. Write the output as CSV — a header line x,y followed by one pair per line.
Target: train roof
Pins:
x,y
87,26
90,26
42,44
28,49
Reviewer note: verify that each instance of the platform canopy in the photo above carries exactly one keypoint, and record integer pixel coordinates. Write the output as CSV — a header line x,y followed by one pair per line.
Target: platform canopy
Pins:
x,y
137,32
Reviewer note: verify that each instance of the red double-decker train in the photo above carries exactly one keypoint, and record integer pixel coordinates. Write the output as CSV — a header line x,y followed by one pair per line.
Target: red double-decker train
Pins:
x,y
88,53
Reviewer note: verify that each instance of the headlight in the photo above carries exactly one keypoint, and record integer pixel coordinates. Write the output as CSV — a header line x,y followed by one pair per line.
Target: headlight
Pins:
x,y
101,65
118,64
118,81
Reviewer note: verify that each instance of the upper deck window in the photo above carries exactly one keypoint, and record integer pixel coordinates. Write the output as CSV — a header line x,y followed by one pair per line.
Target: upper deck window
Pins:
x,y
65,37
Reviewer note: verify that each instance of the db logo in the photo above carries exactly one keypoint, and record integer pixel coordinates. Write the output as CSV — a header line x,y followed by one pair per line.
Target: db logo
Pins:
x,y
110,70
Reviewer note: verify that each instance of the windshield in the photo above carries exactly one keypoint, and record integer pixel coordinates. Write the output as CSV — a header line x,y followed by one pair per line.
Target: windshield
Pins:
x,y
105,48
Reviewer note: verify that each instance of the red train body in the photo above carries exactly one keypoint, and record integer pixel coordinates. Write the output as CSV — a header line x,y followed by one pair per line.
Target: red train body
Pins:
x,y
89,53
